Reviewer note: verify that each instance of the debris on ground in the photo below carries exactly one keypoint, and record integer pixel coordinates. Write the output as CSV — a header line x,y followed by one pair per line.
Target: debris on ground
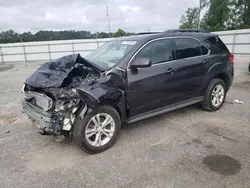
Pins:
x,y
7,131
238,101
8,118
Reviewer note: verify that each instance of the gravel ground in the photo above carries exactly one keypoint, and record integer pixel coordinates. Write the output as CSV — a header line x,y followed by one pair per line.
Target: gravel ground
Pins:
x,y
188,147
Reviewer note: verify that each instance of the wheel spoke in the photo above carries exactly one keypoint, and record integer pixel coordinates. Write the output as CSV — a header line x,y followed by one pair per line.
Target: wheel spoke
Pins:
x,y
108,131
221,93
217,101
222,98
97,117
97,138
107,121
94,121
90,132
214,101
107,135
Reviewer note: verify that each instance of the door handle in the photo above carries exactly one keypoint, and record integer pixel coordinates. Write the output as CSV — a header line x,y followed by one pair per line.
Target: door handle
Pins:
x,y
205,61
169,71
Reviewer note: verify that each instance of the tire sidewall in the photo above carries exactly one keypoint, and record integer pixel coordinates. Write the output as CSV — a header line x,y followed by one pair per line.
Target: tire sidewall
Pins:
x,y
215,83
80,128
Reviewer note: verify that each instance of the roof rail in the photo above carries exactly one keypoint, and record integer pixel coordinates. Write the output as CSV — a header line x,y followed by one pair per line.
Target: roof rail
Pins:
x,y
146,33
187,30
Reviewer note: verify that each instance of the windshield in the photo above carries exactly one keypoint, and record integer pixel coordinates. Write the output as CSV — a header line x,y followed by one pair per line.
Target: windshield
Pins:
x,y
109,54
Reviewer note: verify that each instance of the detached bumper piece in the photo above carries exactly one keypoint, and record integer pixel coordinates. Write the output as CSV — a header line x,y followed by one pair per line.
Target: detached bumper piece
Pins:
x,y
47,121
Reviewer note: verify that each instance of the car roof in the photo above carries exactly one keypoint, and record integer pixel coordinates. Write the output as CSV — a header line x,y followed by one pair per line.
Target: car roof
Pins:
x,y
135,37
149,36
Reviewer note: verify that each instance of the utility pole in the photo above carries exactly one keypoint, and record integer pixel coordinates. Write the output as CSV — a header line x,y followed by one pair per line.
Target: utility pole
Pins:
x,y
21,39
199,15
108,22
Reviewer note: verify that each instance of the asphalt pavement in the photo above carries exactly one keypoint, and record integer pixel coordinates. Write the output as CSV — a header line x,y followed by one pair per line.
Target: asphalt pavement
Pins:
x,y
188,147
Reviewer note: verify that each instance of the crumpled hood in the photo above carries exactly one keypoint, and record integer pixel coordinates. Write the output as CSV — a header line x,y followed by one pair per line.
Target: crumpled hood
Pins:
x,y
53,73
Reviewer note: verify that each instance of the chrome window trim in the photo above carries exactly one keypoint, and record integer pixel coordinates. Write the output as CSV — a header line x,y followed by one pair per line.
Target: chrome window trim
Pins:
x,y
188,37
119,68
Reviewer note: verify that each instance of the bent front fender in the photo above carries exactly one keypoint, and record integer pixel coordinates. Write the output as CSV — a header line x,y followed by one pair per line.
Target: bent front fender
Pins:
x,y
100,94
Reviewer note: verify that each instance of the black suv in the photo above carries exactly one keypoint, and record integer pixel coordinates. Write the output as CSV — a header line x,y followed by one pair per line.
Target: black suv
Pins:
x,y
126,80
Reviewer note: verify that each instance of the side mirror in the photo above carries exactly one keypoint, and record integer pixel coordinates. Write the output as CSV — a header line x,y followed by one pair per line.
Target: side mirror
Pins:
x,y
140,63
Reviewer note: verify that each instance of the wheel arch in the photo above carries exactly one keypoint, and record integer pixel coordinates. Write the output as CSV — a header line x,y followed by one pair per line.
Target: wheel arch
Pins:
x,y
225,77
116,106
108,96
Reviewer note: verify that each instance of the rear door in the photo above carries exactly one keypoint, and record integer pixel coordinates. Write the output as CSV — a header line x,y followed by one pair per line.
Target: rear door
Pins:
x,y
191,57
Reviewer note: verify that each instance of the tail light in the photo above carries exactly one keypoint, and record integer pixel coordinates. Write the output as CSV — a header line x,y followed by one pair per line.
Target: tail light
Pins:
x,y
231,59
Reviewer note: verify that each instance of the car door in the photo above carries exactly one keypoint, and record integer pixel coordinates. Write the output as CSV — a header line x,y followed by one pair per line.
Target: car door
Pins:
x,y
189,69
147,86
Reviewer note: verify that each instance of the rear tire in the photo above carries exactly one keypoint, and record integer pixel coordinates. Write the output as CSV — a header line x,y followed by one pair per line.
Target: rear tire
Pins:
x,y
92,135
215,95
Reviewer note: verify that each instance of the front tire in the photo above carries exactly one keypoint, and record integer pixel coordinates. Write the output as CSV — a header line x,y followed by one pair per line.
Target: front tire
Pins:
x,y
215,95
98,130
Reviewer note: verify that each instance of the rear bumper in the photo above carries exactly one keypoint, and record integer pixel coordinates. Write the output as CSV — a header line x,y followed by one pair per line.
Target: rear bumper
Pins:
x,y
44,119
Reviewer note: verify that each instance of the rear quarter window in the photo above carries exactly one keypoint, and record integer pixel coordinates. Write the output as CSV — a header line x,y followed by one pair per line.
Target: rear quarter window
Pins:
x,y
217,44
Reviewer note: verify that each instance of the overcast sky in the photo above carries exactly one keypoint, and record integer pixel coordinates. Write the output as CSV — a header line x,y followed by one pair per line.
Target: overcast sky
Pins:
x,y
90,15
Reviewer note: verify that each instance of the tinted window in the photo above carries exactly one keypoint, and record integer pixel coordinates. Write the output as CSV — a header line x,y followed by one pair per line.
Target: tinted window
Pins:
x,y
186,48
157,51
216,41
204,50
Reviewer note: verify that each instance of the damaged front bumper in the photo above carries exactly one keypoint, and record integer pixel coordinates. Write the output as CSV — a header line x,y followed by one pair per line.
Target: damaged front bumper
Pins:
x,y
56,121
42,118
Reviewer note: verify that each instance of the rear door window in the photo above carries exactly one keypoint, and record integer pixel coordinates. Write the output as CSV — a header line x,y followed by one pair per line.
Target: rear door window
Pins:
x,y
188,47
158,51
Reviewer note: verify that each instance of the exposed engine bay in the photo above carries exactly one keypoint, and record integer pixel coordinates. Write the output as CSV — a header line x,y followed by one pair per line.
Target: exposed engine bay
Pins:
x,y
51,98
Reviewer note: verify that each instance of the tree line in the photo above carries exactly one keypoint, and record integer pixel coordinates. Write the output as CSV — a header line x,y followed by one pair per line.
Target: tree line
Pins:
x,y
11,36
220,15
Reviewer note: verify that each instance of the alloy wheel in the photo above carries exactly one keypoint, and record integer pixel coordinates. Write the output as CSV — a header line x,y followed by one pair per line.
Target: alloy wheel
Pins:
x,y
218,95
100,129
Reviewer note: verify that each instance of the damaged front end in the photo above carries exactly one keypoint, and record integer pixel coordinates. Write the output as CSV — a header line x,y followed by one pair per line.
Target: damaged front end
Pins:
x,y
51,97
54,110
